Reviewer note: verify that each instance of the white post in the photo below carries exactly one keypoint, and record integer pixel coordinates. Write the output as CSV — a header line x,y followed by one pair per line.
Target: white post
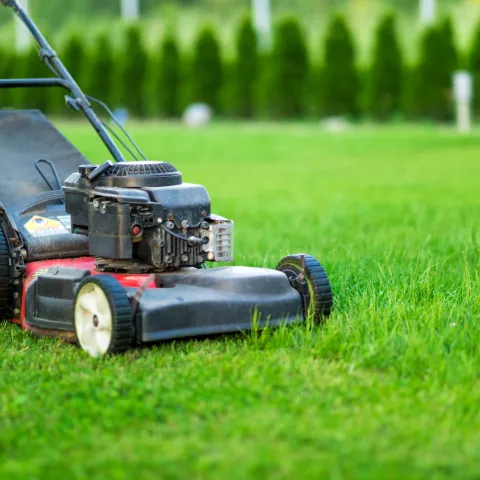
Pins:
x,y
262,20
22,36
130,9
463,94
464,123
427,11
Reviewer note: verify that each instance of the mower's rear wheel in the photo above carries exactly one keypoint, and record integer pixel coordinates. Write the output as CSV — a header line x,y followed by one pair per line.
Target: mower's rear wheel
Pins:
x,y
309,278
4,277
103,316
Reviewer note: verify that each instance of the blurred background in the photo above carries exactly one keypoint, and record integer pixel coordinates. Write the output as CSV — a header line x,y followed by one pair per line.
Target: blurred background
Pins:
x,y
382,60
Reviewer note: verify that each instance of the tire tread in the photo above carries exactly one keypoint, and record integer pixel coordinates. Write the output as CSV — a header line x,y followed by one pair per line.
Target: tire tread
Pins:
x,y
122,315
4,277
318,279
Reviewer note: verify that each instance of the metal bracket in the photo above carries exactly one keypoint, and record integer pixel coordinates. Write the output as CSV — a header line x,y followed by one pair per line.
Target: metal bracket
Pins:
x,y
47,52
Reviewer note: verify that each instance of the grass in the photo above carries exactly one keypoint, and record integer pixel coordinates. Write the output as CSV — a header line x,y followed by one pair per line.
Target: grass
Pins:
x,y
387,389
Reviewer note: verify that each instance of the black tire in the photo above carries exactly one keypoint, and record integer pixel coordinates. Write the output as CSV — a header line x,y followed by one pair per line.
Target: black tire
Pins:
x,y
315,288
121,311
5,307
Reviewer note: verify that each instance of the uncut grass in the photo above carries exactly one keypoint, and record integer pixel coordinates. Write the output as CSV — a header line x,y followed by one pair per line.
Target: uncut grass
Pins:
x,y
388,386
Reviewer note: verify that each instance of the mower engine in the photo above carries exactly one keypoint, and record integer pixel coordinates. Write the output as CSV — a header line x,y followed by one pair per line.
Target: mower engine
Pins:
x,y
140,217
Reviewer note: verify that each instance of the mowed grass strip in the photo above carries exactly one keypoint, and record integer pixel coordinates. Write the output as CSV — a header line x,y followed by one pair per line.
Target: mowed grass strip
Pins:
x,y
387,389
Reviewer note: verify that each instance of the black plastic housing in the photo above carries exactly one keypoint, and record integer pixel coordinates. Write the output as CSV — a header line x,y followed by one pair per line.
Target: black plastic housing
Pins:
x,y
50,298
109,231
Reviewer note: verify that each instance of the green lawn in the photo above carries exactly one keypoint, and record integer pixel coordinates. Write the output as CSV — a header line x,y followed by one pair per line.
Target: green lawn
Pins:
x,y
388,389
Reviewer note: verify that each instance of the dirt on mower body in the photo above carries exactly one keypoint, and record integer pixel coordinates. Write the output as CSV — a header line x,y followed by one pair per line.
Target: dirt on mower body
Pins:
x,y
116,255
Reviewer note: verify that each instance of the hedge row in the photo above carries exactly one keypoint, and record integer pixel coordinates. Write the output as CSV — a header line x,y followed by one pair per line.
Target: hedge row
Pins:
x,y
281,83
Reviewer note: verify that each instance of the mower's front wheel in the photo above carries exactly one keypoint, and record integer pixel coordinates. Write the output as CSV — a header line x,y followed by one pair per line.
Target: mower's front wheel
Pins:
x,y
309,278
103,316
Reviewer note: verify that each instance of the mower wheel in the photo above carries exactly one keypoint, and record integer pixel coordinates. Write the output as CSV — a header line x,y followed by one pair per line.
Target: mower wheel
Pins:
x,y
103,316
4,276
308,277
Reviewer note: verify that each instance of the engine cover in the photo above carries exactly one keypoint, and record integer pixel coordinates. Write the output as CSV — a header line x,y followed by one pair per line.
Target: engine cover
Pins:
x,y
141,217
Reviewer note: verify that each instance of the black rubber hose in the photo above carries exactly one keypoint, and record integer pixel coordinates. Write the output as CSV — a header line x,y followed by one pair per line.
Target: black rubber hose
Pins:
x,y
193,241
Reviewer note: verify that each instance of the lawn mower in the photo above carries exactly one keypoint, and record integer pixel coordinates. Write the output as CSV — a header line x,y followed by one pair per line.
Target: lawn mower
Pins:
x,y
120,254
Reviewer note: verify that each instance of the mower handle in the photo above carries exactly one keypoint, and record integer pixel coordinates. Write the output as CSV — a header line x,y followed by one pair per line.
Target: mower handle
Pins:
x,y
34,82
50,58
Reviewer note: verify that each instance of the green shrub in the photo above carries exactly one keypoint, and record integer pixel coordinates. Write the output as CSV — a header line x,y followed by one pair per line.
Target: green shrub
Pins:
x,y
387,71
133,74
438,61
449,49
340,79
289,70
31,66
169,78
229,102
246,69
207,69
101,81
365,92
8,61
73,56
263,92
474,66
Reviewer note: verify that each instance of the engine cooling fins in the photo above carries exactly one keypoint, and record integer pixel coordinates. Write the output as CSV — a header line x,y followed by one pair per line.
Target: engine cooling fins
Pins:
x,y
135,169
140,174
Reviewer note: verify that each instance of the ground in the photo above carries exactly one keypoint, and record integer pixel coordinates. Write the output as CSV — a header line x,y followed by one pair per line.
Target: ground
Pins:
x,y
388,388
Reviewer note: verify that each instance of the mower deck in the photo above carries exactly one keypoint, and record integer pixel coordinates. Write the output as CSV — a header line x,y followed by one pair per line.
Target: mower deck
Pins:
x,y
184,303
219,300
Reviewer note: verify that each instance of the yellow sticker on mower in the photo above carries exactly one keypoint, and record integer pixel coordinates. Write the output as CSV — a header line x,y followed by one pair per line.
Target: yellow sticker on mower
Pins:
x,y
45,227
